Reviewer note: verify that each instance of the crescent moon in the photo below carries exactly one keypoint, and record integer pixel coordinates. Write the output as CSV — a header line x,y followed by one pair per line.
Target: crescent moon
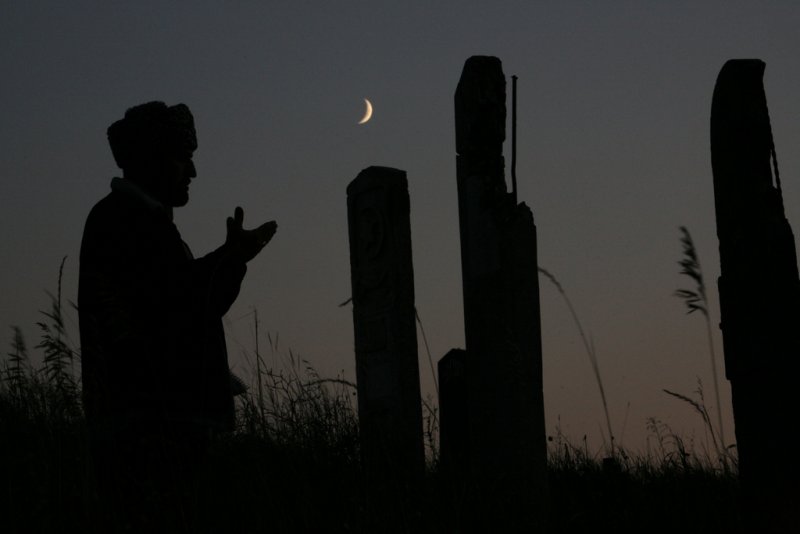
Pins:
x,y
368,113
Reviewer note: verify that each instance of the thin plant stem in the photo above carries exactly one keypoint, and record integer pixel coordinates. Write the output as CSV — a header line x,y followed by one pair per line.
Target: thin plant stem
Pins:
x,y
589,350
696,300
428,349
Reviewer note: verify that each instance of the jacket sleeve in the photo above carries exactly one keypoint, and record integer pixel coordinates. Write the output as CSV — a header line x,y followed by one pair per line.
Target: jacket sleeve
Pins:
x,y
218,278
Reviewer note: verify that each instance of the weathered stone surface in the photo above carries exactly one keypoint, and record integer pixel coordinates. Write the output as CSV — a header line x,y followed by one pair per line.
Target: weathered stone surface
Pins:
x,y
387,370
506,439
759,295
480,102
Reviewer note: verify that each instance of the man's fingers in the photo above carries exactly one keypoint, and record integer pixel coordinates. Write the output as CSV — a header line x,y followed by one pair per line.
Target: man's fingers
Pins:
x,y
267,230
238,214
263,234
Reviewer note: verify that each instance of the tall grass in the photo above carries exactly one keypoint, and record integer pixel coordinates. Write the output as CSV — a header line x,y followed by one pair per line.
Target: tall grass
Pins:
x,y
724,457
292,464
589,346
697,301
292,405
671,486
50,393
42,445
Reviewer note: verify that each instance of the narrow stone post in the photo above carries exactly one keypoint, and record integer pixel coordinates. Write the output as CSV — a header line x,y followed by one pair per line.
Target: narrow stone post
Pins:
x,y
453,413
507,447
387,371
759,293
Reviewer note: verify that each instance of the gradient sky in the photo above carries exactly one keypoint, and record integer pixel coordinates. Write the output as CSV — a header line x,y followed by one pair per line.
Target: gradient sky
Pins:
x,y
613,156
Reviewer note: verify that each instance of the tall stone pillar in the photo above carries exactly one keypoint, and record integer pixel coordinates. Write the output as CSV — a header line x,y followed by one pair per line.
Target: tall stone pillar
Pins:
x,y
387,371
507,447
759,294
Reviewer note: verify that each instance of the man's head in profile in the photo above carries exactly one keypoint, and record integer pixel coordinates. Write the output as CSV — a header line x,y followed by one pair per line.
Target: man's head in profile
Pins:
x,y
153,145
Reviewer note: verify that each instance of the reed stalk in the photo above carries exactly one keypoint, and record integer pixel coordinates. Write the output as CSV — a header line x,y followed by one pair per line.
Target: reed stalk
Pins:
x,y
696,300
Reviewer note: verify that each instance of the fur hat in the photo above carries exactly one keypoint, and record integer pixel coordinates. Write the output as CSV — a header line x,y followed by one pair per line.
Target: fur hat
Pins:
x,y
152,129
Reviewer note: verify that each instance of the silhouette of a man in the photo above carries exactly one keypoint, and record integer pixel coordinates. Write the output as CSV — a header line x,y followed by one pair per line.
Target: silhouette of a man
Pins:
x,y
156,380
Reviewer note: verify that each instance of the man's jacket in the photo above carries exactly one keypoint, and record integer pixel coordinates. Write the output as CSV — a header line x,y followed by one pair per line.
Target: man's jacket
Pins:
x,y
152,342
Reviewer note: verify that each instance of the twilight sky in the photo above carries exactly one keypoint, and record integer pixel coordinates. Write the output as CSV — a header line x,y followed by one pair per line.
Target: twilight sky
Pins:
x,y
613,156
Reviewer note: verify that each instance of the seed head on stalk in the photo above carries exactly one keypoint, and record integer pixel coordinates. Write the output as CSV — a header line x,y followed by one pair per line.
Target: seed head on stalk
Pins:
x,y
696,300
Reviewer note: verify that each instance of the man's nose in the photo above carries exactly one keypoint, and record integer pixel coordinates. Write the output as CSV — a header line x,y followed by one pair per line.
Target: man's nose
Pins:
x,y
191,172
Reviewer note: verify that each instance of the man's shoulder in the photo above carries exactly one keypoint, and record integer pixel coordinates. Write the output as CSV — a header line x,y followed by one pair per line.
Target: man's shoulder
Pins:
x,y
109,220
112,207
104,204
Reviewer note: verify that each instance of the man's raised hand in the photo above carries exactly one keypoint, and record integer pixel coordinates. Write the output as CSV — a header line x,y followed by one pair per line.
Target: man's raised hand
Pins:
x,y
244,244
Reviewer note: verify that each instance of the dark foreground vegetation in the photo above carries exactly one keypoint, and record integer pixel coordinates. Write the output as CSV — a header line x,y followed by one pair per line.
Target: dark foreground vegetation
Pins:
x,y
292,464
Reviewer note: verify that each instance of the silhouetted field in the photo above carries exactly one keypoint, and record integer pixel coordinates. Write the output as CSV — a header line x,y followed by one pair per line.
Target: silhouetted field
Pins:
x,y
293,463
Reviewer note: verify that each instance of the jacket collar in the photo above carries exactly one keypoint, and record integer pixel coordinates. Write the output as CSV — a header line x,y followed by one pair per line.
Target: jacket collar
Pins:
x,y
133,191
